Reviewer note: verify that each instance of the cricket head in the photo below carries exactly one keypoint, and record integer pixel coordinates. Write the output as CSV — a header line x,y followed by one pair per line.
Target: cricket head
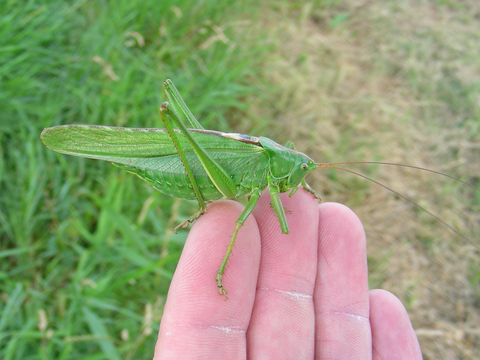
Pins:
x,y
287,165
303,165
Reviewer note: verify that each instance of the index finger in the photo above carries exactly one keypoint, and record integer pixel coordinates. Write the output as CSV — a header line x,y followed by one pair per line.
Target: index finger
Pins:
x,y
197,321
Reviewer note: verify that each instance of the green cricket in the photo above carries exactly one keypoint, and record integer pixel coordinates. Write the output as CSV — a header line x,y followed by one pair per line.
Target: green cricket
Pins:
x,y
198,164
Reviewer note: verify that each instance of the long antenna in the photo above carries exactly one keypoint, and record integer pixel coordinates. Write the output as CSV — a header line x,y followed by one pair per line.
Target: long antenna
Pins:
x,y
329,166
395,164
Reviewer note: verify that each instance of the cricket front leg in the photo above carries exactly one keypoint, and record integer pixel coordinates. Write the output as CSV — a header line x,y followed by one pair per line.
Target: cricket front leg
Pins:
x,y
311,191
238,224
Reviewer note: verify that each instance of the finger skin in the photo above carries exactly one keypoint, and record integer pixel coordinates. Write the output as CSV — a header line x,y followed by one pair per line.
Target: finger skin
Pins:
x,y
393,336
197,322
341,291
283,322
286,320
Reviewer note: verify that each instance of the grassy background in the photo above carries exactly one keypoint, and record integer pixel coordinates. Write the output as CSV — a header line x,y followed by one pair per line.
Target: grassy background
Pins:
x,y
87,251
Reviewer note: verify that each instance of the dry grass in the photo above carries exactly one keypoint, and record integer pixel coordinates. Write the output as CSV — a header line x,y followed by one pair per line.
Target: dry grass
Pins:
x,y
394,82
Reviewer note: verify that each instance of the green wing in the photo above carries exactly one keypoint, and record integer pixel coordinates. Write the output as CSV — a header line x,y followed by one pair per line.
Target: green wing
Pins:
x,y
142,150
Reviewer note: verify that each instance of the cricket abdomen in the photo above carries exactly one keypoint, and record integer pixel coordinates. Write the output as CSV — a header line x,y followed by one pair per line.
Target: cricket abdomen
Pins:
x,y
246,174
177,185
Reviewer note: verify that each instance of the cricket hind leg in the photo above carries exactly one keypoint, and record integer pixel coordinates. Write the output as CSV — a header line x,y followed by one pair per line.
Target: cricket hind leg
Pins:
x,y
184,224
252,202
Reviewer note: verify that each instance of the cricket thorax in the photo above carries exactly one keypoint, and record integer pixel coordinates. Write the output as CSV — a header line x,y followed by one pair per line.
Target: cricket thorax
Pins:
x,y
288,167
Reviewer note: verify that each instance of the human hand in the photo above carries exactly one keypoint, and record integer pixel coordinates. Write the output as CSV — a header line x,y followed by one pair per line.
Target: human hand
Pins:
x,y
303,296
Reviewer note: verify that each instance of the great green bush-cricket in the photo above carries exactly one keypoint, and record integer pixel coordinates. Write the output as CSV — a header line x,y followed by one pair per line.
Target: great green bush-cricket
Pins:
x,y
196,164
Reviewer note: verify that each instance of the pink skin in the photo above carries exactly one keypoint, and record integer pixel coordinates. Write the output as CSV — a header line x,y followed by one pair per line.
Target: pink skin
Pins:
x,y
298,296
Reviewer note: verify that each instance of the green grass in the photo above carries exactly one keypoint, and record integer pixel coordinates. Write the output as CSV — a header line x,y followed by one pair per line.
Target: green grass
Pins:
x,y
84,243
87,250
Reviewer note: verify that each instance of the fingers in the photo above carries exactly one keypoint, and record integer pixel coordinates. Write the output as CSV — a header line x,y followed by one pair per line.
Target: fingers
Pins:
x,y
301,309
282,324
196,318
341,289
392,334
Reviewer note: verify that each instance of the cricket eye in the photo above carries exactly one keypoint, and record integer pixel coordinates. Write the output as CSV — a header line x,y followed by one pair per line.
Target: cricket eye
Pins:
x,y
304,167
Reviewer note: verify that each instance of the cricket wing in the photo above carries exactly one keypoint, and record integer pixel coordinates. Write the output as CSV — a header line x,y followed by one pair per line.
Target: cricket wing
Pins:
x,y
149,149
